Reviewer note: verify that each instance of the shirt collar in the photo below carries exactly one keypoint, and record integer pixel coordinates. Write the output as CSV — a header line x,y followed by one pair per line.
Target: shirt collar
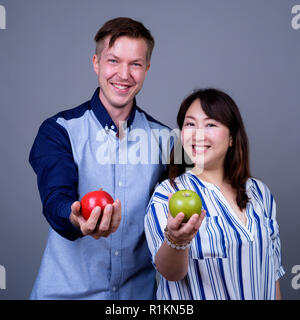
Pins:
x,y
104,117
212,186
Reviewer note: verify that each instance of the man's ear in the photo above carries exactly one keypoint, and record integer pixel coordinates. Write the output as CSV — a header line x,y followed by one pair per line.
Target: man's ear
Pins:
x,y
96,64
148,67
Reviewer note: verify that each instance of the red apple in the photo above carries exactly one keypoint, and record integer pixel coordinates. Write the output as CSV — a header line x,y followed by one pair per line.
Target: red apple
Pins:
x,y
93,199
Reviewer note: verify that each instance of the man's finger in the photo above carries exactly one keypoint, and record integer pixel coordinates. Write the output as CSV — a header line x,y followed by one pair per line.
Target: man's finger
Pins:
x,y
92,221
106,218
75,208
116,216
75,214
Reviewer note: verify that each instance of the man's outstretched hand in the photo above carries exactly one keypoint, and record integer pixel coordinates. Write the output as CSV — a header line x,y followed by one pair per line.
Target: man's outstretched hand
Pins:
x,y
99,224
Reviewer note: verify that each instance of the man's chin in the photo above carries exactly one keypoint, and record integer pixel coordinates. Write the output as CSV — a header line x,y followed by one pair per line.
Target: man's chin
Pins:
x,y
122,105
116,101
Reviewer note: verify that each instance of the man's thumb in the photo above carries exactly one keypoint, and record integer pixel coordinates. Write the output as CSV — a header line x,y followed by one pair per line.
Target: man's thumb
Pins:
x,y
75,208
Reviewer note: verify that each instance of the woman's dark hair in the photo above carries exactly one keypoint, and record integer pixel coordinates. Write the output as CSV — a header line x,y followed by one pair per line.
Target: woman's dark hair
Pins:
x,y
219,106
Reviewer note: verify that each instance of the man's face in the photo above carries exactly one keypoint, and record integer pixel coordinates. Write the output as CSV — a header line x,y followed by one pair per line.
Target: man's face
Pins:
x,y
121,71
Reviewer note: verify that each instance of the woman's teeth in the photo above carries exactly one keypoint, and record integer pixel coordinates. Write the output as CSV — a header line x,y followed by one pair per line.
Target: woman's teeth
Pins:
x,y
200,148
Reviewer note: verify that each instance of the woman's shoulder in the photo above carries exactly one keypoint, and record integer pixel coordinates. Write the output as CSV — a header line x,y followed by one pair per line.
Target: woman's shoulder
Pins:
x,y
258,186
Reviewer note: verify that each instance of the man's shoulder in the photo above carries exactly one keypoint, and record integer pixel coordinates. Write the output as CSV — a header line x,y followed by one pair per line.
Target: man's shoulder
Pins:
x,y
73,113
53,125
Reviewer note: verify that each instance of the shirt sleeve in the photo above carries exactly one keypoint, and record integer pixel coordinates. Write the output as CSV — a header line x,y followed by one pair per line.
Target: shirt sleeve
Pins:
x,y
270,205
57,176
156,219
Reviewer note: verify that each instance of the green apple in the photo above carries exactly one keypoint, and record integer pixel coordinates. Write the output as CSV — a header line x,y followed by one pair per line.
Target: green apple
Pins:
x,y
185,201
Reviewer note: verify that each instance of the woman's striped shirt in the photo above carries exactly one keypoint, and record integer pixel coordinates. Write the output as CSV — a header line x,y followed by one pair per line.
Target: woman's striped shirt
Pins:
x,y
227,259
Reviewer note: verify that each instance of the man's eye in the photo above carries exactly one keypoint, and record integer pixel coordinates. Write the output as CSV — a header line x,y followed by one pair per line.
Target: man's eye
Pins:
x,y
112,60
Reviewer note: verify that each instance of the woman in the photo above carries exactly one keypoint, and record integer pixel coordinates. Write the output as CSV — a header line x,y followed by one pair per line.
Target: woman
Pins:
x,y
232,250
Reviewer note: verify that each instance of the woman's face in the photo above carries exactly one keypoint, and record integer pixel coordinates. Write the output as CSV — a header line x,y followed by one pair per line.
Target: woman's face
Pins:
x,y
205,140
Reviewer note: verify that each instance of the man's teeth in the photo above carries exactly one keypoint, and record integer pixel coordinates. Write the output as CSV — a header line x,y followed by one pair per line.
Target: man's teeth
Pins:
x,y
119,86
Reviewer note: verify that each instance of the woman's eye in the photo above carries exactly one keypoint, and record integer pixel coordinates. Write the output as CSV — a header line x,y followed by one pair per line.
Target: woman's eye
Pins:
x,y
210,125
189,124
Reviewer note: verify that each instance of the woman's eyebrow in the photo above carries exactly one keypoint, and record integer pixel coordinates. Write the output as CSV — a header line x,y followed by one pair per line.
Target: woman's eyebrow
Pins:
x,y
190,117
207,118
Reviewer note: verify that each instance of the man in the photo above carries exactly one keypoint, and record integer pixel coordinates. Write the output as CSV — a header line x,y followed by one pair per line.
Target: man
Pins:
x,y
87,148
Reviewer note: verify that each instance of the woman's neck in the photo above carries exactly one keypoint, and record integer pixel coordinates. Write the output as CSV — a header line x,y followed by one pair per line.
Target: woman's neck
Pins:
x,y
215,176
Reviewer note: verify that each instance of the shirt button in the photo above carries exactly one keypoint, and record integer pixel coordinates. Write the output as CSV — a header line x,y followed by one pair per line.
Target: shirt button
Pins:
x,y
116,253
114,289
112,127
120,184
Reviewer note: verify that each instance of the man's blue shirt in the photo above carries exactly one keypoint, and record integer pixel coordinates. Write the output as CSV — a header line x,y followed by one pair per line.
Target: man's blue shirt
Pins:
x,y
78,151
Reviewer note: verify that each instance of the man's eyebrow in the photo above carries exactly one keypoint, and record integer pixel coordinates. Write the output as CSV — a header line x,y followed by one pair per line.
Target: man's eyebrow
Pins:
x,y
138,59
116,57
111,55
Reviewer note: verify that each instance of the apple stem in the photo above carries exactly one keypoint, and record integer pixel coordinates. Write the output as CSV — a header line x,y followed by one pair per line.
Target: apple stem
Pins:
x,y
100,189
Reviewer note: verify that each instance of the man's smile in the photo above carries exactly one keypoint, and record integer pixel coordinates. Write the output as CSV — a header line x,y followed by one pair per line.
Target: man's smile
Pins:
x,y
121,87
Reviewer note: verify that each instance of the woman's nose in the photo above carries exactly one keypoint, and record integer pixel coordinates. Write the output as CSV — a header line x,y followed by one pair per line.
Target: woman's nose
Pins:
x,y
199,134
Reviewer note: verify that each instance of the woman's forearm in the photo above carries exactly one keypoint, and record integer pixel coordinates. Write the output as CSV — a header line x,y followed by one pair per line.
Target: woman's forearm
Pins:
x,y
278,293
171,263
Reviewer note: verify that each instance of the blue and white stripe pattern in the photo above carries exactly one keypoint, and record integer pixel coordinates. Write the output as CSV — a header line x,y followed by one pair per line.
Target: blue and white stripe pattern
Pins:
x,y
227,259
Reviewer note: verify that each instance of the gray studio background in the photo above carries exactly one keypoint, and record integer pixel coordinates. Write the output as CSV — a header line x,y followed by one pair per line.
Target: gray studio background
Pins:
x,y
246,47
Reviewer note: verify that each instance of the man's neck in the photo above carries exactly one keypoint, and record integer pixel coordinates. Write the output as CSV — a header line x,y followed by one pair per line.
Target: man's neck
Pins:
x,y
117,114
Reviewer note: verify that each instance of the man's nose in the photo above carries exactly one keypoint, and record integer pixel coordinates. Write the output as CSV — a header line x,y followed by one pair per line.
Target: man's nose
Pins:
x,y
124,71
